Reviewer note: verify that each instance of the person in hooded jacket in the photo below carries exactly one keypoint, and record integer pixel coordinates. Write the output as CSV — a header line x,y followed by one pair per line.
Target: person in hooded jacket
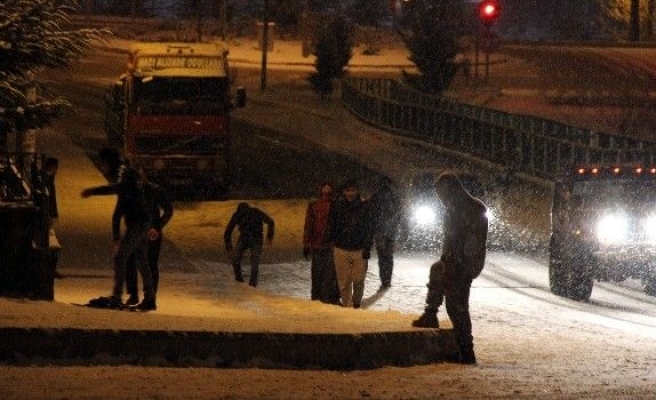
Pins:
x,y
349,233
465,229
316,248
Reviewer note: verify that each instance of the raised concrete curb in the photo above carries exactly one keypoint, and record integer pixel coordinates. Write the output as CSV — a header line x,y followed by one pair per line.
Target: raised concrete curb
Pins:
x,y
70,346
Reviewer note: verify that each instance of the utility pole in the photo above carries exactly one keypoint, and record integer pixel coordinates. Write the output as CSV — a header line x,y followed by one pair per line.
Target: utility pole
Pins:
x,y
88,12
199,20
224,19
649,29
634,34
265,45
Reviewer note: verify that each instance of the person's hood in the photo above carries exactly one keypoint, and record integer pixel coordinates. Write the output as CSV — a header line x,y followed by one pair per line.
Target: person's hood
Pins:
x,y
452,193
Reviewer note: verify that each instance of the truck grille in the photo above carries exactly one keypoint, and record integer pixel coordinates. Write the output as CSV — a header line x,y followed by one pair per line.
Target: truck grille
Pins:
x,y
179,144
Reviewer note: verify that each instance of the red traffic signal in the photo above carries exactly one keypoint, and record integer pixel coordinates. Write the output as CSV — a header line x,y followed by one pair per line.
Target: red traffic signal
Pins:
x,y
488,11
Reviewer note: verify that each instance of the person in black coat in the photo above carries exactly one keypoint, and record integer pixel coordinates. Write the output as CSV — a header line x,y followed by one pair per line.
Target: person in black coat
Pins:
x,y
250,221
160,210
349,233
385,206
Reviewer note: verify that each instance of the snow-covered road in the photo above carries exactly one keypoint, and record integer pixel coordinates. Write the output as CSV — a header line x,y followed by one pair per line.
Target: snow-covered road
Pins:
x,y
512,288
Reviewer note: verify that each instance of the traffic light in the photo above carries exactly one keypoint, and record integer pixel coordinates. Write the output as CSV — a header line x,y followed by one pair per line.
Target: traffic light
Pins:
x,y
488,11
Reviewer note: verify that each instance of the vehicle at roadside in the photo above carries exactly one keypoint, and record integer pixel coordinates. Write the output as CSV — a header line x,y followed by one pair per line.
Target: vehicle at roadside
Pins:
x,y
422,211
170,113
603,227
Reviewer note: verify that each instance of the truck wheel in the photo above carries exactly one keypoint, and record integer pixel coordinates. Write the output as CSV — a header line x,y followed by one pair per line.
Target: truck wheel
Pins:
x,y
569,273
579,284
580,287
557,274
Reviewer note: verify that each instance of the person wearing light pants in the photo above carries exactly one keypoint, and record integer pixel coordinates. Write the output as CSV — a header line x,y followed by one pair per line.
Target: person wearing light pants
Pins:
x,y
351,269
349,232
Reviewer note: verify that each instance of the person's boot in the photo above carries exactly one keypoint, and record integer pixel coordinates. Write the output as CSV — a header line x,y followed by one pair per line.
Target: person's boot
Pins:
x,y
145,305
427,320
467,355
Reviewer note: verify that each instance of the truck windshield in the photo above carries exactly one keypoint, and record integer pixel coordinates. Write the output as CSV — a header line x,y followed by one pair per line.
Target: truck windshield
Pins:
x,y
182,96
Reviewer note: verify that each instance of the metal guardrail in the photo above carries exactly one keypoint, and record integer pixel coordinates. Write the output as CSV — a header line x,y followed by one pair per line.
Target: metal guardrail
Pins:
x,y
533,145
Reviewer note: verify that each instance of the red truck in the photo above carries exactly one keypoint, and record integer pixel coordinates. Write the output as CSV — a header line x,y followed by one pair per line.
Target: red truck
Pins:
x,y
170,113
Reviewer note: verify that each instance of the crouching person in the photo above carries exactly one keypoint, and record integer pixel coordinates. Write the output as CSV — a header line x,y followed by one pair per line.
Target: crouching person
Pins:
x,y
465,228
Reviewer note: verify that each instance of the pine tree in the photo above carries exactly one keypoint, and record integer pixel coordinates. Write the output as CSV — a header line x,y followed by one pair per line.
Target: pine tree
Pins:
x,y
432,32
334,50
34,34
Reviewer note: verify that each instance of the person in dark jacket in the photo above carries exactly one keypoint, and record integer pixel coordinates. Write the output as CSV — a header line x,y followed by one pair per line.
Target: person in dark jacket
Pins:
x,y
160,211
465,229
350,236
131,208
250,221
316,248
385,206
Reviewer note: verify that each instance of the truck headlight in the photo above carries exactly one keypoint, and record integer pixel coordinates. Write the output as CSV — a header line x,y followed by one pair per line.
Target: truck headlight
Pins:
x,y
650,228
612,228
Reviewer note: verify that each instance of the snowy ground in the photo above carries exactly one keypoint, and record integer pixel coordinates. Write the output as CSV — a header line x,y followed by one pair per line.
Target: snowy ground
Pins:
x,y
530,344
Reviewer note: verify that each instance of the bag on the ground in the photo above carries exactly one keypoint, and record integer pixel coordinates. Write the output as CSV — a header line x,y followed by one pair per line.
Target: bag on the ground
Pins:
x,y
104,302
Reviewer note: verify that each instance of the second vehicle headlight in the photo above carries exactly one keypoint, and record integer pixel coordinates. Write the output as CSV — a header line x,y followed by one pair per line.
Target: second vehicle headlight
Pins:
x,y
650,228
612,228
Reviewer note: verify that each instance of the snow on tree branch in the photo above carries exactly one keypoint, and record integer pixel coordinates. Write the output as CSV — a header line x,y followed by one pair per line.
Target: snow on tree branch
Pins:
x,y
36,34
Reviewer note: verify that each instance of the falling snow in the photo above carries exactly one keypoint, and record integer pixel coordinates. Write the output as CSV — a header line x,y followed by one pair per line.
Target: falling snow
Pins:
x,y
530,344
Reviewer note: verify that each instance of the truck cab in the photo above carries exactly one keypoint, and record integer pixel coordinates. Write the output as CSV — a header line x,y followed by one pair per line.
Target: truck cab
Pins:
x,y
170,112
603,228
